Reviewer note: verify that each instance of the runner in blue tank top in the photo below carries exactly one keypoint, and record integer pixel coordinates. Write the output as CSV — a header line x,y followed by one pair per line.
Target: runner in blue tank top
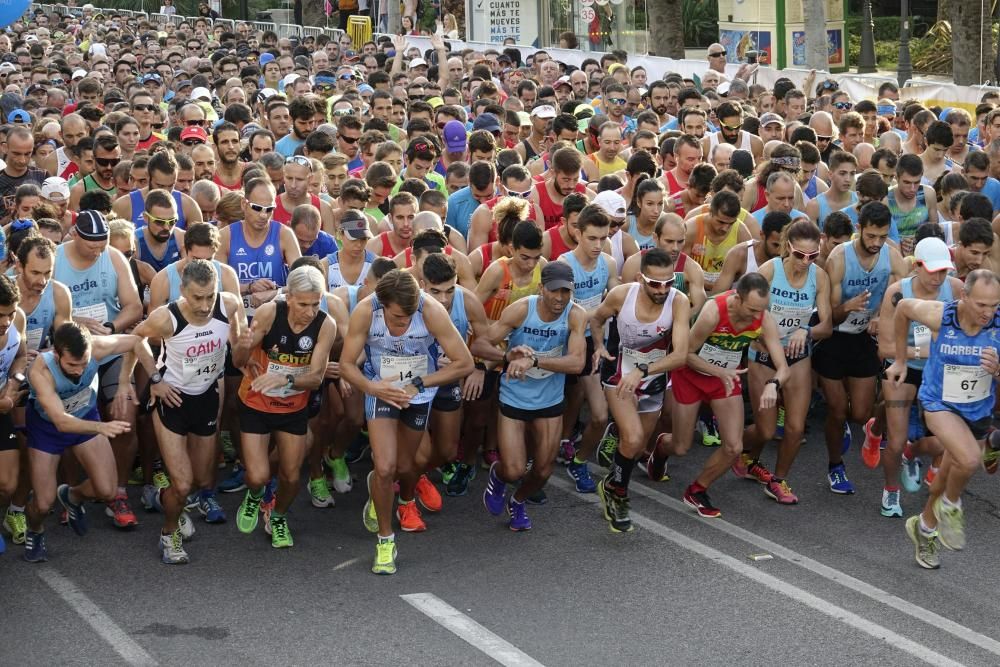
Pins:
x,y
545,343
46,303
957,398
157,240
929,282
13,361
137,200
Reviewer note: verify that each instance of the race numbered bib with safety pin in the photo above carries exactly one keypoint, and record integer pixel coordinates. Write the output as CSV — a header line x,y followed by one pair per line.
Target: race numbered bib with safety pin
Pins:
x,y
197,369
591,303
965,384
97,311
790,318
632,358
721,358
401,370
922,336
78,401
856,322
539,373
283,370
34,338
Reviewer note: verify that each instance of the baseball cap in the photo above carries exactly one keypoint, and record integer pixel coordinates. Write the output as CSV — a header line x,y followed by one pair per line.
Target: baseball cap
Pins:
x,y
933,253
264,59
7,68
290,79
557,275
79,74
418,62
612,203
91,226
742,161
199,93
355,225
544,111
152,76
771,117
194,132
18,116
455,138
486,121
563,80
36,87
55,188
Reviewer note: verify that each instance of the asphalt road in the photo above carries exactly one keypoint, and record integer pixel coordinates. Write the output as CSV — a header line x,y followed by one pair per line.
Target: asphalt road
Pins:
x,y
841,587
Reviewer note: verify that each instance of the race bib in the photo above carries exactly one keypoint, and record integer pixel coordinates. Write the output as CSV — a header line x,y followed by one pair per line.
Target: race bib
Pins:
x,y
78,401
401,370
632,358
922,336
97,311
538,373
34,338
711,277
856,322
715,355
198,370
590,303
790,318
247,305
282,369
965,384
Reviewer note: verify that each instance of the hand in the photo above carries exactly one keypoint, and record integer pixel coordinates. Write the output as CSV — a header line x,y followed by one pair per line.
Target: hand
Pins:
x,y
873,327
245,340
857,302
517,368
113,429
93,326
346,389
267,382
389,393
990,360
769,397
730,377
258,299
163,392
797,343
472,388
601,353
399,42
263,285
31,354
125,398
896,373
629,382
332,371
437,42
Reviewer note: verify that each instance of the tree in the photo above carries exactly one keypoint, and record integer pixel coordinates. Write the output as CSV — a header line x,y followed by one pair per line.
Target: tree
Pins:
x,y
817,51
971,42
666,28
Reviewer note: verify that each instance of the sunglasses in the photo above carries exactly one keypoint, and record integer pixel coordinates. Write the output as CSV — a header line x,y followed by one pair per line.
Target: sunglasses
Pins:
x,y
807,256
657,284
324,87
824,137
617,100
299,160
193,123
144,107
738,126
166,222
717,54
107,161
259,208
520,195
843,106
193,142
129,254
157,126
350,140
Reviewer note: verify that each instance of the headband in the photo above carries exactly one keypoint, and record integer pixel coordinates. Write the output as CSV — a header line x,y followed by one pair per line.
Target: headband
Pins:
x,y
786,162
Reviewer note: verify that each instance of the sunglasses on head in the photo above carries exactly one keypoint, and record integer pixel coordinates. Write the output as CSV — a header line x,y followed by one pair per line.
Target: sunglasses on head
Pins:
x,y
260,208
657,284
520,195
166,222
807,256
300,160
107,161
822,137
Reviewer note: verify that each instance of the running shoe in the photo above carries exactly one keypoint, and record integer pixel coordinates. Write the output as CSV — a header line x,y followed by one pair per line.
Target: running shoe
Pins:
x,y
519,520
247,514
746,468
338,476
951,524
385,556
566,452
493,496
235,482
16,524
185,525
368,515
447,472
608,445
151,498
76,515
192,501
160,479
538,498
459,484
427,494
890,504
710,433
837,477
34,547
871,452
266,509
616,509
655,468
926,549
931,475
779,429
910,473
409,517
136,477
780,492
119,510
848,437
991,453
209,507
701,503
172,548
580,473
281,536
490,456
269,490
319,493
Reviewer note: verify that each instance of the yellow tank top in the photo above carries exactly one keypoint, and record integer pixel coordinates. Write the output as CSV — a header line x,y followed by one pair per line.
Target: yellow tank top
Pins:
x,y
605,168
509,292
710,256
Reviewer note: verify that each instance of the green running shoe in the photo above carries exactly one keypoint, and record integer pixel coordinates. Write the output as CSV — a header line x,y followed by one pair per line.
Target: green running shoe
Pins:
x,y
951,525
246,515
136,477
15,524
616,509
341,481
926,546
160,480
608,445
368,515
448,472
385,557
319,494
281,536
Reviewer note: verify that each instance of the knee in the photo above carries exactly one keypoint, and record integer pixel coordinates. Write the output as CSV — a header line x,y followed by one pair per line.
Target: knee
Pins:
x,y
860,413
257,478
180,486
542,469
104,492
766,431
289,475
599,417
966,461
732,447
794,433
511,470
43,502
386,471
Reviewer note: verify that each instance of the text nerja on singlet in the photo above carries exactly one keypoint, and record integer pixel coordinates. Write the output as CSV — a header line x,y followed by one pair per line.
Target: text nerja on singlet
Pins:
x,y
791,295
543,333
84,286
867,281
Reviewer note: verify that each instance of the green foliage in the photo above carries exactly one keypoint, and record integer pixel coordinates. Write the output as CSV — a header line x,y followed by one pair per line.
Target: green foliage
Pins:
x,y
886,53
701,22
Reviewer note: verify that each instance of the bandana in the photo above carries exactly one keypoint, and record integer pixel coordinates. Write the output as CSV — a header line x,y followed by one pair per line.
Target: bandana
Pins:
x,y
792,162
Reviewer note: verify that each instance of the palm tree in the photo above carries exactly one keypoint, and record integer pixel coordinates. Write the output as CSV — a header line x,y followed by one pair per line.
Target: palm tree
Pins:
x,y
817,52
666,27
971,41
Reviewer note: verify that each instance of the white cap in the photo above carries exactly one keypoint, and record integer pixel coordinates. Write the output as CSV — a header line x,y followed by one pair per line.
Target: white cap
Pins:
x,y
7,68
544,111
612,203
933,253
199,93
55,189
98,50
79,74
290,79
31,38
267,93
418,62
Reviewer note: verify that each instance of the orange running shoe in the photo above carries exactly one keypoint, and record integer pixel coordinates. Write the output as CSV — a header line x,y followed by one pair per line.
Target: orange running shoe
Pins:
x,y
427,494
409,517
871,453
119,510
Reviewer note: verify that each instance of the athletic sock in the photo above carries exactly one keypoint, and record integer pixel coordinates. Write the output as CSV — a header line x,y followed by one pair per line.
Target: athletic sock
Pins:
x,y
258,494
620,473
924,530
391,537
578,461
891,489
947,503
15,508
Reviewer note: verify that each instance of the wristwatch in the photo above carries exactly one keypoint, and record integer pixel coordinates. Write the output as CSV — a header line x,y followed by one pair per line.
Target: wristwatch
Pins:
x,y
534,362
644,368
155,378
775,382
110,325
418,382
289,381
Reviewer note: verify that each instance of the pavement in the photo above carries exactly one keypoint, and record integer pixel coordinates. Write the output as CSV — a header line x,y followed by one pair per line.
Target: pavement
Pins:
x,y
841,586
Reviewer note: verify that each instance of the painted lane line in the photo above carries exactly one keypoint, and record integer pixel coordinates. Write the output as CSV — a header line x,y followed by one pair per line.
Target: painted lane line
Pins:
x,y
111,632
346,563
475,634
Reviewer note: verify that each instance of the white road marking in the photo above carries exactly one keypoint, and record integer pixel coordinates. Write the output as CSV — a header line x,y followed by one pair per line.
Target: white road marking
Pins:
x,y
125,646
346,563
476,635
792,591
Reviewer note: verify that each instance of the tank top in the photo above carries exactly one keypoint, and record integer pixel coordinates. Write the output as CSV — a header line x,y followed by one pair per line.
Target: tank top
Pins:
x,y
507,293
89,185
825,209
856,280
714,139
634,342
644,242
673,185
336,279
680,282
284,216
174,279
284,352
94,290
486,250
529,152
605,168
138,203
711,256
791,307
905,223
170,255
194,358
9,351
78,398
810,190
751,258
953,379
761,200
556,244
588,286
264,261
919,335
538,389
401,358
38,324
352,297
551,211
387,250
725,345
616,250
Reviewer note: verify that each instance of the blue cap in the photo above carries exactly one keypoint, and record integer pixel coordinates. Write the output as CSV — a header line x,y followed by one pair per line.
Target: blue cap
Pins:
x,y
365,88
152,76
486,121
18,116
265,58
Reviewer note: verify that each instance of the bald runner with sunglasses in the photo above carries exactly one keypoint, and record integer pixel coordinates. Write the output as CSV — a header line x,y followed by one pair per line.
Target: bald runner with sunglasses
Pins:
x,y
162,169
297,171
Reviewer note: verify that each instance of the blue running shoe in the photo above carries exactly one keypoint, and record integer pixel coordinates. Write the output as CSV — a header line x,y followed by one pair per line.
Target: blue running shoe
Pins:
x,y
580,473
519,520
269,490
3,544
838,480
235,482
493,496
209,508
847,439
76,514
34,547
459,484
911,473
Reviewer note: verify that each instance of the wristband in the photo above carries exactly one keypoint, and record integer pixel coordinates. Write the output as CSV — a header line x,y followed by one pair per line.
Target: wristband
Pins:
x,y
110,325
534,362
480,366
775,382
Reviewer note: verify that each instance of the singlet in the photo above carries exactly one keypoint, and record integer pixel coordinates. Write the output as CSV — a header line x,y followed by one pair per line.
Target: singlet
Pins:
x,y
38,323
336,279
538,389
486,250
78,398
809,191
529,152
680,281
194,358
616,250
401,358
751,258
825,209
507,293
557,246
919,335
644,242
856,280
284,352
673,185
744,145
953,378
284,216
94,290
264,261
171,254
905,223
9,351
138,203
352,297
709,255
791,307
725,345
588,286
551,211
174,280
605,168
89,185
633,342
387,250
761,201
